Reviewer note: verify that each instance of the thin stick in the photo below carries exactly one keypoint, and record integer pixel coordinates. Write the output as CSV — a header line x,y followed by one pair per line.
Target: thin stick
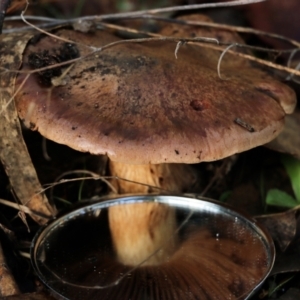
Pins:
x,y
153,11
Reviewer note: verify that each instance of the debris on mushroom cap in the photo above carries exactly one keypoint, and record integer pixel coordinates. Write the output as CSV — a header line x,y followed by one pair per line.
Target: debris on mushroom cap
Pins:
x,y
138,104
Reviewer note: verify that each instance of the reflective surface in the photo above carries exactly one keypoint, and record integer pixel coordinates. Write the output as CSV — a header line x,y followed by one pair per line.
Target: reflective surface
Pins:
x,y
220,255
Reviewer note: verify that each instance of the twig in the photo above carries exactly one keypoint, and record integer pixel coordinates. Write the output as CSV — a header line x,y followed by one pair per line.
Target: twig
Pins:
x,y
118,16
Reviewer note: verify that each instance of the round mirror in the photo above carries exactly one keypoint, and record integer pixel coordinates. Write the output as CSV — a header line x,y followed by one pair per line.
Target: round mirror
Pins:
x,y
217,254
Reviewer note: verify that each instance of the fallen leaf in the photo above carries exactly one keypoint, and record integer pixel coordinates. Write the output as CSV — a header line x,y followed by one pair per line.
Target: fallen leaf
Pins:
x,y
288,140
288,259
282,227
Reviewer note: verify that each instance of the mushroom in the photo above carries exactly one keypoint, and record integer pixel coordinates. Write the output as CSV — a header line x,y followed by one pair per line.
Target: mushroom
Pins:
x,y
152,115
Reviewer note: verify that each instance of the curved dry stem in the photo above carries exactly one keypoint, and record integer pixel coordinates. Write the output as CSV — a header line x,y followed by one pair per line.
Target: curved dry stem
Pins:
x,y
33,18
293,53
220,60
44,149
291,76
179,44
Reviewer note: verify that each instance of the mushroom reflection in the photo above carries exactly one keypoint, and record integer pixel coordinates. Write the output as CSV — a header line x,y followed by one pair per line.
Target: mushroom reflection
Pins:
x,y
197,270
218,256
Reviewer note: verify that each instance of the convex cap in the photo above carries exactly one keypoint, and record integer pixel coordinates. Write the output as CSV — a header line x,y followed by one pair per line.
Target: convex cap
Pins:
x,y
138,104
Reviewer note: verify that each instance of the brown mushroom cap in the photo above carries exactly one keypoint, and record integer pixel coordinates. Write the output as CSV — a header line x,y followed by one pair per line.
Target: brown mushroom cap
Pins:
x,y
138,104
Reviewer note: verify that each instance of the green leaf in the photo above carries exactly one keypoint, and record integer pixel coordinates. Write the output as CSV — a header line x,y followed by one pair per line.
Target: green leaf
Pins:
x,y
280,198
225,196
292,166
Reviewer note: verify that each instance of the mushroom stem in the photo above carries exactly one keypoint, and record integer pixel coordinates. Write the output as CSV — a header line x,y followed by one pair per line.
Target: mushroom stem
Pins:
x,y
139,230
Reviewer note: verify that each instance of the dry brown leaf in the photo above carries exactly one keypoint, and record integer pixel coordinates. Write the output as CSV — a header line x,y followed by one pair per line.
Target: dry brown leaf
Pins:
x,y
288,140
13,152
285,228
281,226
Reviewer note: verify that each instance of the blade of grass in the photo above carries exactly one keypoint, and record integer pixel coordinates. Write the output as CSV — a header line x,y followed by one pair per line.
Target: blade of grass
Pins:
x,y
292,166
280,285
